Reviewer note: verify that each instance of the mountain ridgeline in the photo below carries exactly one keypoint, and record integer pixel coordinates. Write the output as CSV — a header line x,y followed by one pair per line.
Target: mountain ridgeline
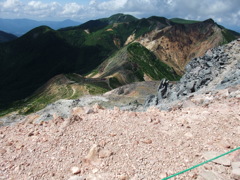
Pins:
x,y
19,27
4,37
120,48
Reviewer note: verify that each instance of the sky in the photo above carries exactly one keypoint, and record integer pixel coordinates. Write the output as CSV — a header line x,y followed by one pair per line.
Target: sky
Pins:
x,y
224,12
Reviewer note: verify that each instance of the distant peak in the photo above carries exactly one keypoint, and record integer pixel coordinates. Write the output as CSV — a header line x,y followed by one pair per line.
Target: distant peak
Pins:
x,y
118,14
38,30
43,28
117,18
209,21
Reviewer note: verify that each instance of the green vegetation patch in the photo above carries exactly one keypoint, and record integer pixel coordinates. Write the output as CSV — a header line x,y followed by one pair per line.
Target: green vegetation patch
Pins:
x,y
149,64
96,88
228,36
131,64
72,87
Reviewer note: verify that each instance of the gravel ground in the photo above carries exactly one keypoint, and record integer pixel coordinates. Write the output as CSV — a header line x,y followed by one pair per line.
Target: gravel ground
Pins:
x,y
98,143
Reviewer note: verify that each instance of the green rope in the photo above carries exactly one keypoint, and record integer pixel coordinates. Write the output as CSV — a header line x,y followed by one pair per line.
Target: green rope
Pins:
x,y
193,167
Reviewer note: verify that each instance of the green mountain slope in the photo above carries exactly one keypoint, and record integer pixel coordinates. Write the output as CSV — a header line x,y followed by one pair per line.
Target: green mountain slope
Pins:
x,y
94,25
119,18
117,27
68,86
30,61
4,37
133,63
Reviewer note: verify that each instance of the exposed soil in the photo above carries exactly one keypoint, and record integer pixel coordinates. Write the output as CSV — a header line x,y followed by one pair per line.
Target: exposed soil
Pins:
x,y
177,45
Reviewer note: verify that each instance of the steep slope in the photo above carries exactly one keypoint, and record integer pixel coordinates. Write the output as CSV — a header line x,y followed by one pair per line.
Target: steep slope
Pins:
x,y
112,31
68,86
94,25
133,63
218,69
30,61
177,44
4,37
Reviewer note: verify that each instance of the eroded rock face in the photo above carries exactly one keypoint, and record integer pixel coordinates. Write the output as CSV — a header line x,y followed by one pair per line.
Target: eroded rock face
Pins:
x,y
176,45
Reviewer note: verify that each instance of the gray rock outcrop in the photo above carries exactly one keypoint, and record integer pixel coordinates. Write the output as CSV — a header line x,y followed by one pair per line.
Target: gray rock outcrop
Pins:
x,y
162,89
217,69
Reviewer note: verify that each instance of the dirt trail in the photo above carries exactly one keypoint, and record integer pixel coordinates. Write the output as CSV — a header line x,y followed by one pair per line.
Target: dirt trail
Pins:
x,y
74,91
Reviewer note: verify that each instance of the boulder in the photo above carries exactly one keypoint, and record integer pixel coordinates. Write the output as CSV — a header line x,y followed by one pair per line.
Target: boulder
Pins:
x,y
151,101
162,89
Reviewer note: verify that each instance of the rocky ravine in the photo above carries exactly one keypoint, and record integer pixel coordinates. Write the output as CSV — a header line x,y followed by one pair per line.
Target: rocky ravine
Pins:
x,y
91,142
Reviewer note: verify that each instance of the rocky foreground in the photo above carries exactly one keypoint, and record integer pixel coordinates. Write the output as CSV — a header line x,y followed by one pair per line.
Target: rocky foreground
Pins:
x,y
92,142
97,143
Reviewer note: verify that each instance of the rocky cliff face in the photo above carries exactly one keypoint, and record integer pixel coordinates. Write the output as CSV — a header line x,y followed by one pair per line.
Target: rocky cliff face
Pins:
x,y
177,44
219,68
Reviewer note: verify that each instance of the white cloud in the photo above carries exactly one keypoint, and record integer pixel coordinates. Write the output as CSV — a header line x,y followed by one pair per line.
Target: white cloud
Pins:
x,y
11,4
37,5
224,11
112,5
71,9
128,5
92,2
40,9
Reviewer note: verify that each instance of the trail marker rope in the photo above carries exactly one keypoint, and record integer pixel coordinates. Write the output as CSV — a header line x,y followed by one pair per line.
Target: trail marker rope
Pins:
x,y
193,167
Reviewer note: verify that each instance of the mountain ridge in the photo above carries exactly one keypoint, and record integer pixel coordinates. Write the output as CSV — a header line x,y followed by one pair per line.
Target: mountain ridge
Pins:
x,y
177,44
42,53
19,27
5,37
